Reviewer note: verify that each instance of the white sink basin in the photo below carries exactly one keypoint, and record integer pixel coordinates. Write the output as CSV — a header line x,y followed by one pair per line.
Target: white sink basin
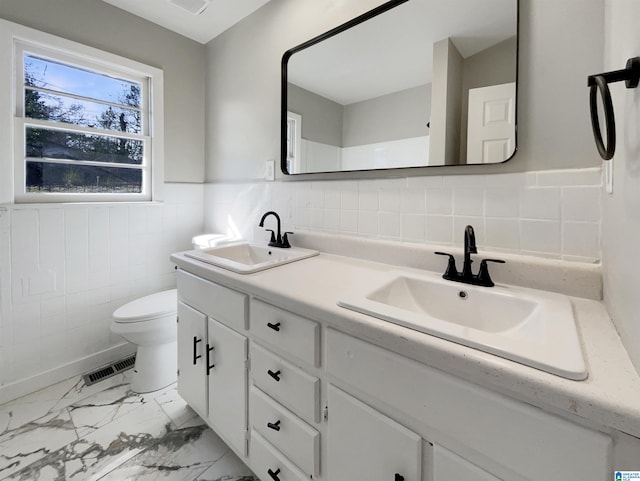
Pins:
x,y
247,258
536,328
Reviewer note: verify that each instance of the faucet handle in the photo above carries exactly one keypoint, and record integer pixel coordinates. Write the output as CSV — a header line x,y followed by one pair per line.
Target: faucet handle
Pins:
x,y
483,272
452,271
285,239
273,236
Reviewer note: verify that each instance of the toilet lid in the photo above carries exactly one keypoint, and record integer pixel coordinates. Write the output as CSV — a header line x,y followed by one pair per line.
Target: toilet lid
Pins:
x,y
149,307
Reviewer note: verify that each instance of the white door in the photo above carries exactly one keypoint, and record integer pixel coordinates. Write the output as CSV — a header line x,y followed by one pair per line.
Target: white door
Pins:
x,y
227,372
191,357
294,143
491,131
364,444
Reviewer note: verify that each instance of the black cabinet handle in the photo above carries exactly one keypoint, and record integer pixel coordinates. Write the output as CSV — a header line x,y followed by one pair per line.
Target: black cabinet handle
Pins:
x,y
275,327
195,347
274,474
209,365
274,375
398,477
275,426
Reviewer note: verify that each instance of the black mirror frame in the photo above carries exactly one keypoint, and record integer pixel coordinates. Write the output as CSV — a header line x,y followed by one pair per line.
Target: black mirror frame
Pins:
x,y
341,28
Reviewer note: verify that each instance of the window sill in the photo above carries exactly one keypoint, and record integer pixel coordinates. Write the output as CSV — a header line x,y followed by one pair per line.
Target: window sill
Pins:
x,y
57,205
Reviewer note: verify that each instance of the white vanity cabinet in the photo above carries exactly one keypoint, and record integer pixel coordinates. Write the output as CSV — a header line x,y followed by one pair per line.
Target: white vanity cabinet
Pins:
x,y
512,440
364,444
227,384
284,406
448,466
192,335
212,357
316,403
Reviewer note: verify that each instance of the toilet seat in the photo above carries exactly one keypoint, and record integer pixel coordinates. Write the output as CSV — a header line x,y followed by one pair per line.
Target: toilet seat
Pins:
x,y
154,306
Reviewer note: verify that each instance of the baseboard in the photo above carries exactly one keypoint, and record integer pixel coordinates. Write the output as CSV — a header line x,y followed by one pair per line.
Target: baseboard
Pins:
x,y
31,384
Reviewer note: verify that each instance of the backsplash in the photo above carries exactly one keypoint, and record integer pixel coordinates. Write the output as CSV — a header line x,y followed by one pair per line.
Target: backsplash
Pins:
x,y
552,214
65,268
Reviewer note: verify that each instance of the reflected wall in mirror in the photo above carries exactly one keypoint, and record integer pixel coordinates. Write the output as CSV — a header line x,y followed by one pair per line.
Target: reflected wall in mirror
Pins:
x,y
412,83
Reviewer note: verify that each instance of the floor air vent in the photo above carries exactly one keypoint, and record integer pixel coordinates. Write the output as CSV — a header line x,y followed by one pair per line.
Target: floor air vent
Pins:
x,y
106,372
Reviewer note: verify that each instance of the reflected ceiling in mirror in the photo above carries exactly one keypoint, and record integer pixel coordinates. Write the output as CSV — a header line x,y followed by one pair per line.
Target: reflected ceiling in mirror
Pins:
x,y
412,83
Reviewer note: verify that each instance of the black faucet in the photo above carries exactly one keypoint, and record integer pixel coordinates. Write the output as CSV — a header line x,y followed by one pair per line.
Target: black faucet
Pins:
x,y
469,248
482,278
276,240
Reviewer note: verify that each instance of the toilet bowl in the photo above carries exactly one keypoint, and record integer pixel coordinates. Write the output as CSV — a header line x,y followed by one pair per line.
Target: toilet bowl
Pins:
x,y
150,323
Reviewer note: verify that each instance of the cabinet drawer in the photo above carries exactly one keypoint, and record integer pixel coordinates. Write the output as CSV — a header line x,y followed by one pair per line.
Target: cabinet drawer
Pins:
x,y
266,462
288,332
221,303
522,438
286,383
295,438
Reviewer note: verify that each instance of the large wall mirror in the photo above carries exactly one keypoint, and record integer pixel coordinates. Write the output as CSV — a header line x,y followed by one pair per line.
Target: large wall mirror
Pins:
x,y
412,83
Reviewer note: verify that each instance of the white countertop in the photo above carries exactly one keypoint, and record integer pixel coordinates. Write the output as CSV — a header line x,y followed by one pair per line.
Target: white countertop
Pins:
x,y
609,397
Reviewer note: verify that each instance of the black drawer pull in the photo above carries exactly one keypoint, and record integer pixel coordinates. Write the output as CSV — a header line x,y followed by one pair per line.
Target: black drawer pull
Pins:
x,y
275,327
195,347
274,474
274,375
209,365
275,426
398,477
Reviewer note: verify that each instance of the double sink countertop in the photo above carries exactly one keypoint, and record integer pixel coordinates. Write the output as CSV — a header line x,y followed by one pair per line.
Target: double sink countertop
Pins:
x,y
609,397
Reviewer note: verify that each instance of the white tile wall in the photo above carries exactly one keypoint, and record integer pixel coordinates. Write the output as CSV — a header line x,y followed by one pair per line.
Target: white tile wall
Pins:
x,y
552,214
65,268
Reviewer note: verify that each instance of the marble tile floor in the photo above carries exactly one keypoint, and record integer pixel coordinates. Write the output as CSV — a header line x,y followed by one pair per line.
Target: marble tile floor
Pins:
x,y
106,432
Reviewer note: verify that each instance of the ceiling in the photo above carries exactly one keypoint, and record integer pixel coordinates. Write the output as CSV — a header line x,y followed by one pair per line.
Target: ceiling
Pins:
x,y
394,51
215,19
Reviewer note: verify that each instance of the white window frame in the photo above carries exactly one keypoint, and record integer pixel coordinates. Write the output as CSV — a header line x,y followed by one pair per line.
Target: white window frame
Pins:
x,y
15,40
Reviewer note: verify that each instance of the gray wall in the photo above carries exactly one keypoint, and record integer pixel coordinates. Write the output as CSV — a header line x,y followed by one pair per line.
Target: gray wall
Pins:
x,y
492,66
321,117
243,82
103,26
360,123
553,131
376,120
621,214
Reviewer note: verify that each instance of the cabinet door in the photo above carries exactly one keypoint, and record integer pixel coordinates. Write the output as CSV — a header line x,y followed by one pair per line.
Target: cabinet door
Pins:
x,y
191,357
227,373
448,466
364,444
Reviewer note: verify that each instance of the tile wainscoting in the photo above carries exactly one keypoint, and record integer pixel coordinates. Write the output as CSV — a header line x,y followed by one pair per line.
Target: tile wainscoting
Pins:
x,y
64,268
551,214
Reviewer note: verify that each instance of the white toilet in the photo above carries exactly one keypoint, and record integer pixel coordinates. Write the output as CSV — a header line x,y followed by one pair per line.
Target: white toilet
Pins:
x,y
150,323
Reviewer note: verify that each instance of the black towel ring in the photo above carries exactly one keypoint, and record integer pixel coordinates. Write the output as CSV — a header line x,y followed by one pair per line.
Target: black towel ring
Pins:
x,y
631,76
609,118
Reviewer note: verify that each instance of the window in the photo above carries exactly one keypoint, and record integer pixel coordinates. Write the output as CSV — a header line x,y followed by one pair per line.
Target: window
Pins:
x,y
87,127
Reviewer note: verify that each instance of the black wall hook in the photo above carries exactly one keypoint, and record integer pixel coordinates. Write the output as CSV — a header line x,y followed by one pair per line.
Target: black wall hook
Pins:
x,y
601,81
